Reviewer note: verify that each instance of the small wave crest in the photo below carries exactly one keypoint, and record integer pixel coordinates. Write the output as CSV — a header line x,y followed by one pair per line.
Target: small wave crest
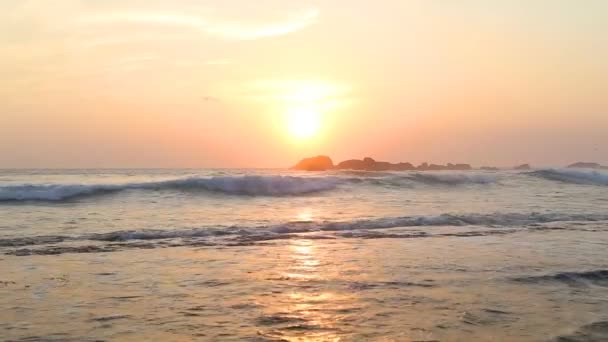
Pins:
x,y
453,178
594,332
591,177
595,277
436,179
496,219
232,185
498,223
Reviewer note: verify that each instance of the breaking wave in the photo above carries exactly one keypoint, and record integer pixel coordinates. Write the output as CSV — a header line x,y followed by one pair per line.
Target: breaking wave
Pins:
x,y
281,185
236,185
591,177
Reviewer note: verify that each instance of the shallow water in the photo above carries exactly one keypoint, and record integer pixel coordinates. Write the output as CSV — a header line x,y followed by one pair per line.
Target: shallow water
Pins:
x,y
267,255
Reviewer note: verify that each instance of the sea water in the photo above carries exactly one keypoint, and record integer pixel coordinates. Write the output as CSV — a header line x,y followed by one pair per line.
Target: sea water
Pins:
x,y
265,255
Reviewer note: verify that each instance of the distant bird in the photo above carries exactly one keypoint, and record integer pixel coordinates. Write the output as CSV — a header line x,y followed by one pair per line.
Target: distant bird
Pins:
x,y
210,99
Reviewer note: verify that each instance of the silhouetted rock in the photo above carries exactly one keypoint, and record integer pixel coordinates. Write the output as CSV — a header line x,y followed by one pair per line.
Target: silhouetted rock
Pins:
x,y
322,163
489,168
370,164
450,166
368,160
352,164
367,164
402,167
424,166
523,167
381,166
435,167
318,163
585,165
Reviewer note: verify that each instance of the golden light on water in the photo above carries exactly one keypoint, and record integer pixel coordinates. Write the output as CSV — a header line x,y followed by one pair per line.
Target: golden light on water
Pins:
x,y
305,215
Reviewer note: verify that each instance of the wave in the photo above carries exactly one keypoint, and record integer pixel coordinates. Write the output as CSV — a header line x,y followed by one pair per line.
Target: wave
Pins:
x,y
495,224
593,332
280,185
591,177
453,178
492,220
595,277
248,185
232,185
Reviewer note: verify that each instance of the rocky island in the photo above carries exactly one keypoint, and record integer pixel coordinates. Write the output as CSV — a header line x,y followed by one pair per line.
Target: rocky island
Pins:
x,y
323,163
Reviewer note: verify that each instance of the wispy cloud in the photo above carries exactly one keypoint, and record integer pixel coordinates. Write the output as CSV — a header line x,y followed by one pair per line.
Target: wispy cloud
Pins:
x,y
226,28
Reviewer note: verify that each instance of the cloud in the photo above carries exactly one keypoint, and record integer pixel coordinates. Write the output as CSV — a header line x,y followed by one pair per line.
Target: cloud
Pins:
x,y
292,23
225,28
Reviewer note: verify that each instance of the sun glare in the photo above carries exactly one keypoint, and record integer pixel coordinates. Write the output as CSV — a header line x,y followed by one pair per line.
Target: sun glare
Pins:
x,y
305,106
303,122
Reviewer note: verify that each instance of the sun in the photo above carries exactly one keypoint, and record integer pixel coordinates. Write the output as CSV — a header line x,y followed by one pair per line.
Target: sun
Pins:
x,y
303,122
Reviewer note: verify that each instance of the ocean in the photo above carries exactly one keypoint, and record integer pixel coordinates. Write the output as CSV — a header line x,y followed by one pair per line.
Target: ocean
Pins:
x,y
280,255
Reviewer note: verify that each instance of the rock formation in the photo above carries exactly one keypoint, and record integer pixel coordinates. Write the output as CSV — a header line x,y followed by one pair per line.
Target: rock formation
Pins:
x,y
523,167
318,163
322,163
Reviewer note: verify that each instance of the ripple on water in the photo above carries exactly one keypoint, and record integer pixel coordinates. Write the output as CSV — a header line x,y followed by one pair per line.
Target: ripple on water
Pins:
x,y
593,277
594,332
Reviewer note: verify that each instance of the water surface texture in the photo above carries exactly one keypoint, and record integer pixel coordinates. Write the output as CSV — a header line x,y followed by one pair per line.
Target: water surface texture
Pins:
x,y
275,255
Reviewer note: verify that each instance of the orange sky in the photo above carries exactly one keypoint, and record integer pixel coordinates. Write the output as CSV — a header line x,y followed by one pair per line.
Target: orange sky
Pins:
x,y
218,83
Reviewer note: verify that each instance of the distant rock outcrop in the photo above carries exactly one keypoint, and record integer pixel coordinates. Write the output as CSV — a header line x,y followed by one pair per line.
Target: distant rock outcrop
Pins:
x,y
489,168
356,164
402,167
585,165
369,164
449,166
523,167
458,167
323,163
318,163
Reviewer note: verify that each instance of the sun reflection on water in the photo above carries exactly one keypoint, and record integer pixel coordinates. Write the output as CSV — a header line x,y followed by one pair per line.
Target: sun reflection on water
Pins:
x,y
308,308
305,215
